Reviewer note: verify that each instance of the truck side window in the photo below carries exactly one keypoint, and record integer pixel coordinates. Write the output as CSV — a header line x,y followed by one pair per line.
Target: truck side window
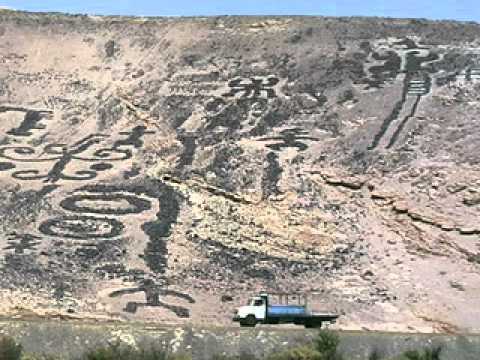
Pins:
x,y
258,303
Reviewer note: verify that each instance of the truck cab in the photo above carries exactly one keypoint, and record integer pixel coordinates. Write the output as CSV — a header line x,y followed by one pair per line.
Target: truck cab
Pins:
x,y
256,306
261,310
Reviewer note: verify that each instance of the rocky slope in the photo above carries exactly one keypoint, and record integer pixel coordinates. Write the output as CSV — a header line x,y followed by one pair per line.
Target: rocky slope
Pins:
x,y
163,170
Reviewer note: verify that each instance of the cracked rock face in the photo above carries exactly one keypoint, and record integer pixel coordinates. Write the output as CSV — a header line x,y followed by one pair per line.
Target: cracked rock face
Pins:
x,y
153,168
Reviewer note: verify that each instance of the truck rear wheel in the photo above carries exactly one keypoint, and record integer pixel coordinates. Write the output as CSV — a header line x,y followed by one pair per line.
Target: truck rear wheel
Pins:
x,y
249,321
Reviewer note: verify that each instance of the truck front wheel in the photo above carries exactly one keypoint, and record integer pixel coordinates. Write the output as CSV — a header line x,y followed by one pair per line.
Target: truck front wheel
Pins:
x,y
249,321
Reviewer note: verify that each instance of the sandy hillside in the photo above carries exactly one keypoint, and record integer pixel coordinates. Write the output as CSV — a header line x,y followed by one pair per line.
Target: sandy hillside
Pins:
x,y
163,170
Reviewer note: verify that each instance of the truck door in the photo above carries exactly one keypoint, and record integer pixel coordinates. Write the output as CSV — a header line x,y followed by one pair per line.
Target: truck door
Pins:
x,y
260,308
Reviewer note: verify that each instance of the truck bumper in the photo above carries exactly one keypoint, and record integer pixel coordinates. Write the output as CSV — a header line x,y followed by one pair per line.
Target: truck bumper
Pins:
x,y
236,318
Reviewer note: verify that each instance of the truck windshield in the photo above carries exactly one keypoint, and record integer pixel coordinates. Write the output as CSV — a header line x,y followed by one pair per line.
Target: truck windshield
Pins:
x,y
256,302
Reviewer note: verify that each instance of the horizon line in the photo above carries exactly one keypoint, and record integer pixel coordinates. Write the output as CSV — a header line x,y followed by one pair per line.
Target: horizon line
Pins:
x,y
67,13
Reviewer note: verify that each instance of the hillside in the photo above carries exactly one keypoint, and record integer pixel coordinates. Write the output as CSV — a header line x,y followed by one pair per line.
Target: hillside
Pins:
x,y
164,169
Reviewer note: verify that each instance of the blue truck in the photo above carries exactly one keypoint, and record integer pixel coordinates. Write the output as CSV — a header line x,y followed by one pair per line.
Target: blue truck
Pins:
x,y
261,310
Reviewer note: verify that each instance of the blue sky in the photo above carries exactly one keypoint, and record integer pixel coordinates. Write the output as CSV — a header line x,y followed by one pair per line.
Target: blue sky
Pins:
x,y
439,9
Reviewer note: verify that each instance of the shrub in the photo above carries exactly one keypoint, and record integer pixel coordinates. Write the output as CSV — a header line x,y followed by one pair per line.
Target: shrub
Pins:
x,y
221,357
38,357
375,355
326,344
108,353
119,352
427,354
324,347
245,355
9,349
298,353
241,356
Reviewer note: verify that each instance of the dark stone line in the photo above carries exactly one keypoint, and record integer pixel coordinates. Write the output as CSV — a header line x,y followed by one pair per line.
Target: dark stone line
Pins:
x,y
101,166
180,311
158,230
382,73
215,106
399,129
415,64
30,122
409,43
414,67
81,227
5,166
271,176
289,138
135,137
396,113
189,146
47,189
63,155
129,174
152,296
112,269
111,48
230,118
393,115
137,205
22,242
253,87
